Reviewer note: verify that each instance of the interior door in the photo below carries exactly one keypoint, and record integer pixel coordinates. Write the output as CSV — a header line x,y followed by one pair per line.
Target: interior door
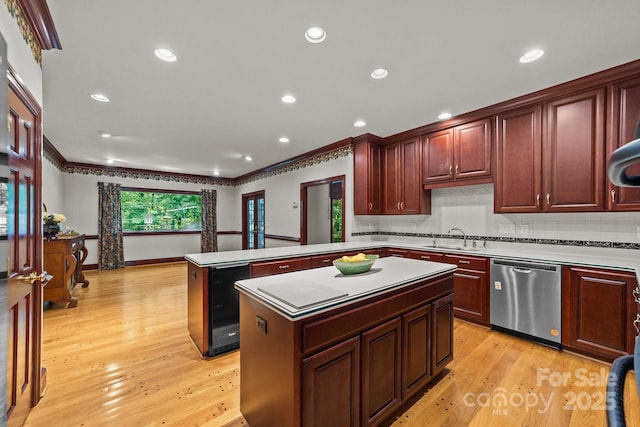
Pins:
x,y
253,220
24,289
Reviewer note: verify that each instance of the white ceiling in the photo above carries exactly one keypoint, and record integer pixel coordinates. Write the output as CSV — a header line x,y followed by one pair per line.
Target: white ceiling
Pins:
x,y
236,58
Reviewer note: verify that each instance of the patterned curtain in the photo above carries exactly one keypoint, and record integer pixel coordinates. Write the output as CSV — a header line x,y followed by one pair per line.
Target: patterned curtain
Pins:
x,y
110,247
209,233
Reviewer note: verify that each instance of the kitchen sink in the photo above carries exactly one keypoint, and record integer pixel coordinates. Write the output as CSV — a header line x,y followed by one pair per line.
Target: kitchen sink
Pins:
x,y
454,247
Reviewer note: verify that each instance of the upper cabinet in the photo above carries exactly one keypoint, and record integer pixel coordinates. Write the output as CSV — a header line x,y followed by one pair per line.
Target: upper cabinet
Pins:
x,y
559,168
367,176
624,117
402,189
457,154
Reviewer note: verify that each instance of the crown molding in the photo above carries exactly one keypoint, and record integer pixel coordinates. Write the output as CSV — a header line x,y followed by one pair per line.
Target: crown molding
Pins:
x,y
41,23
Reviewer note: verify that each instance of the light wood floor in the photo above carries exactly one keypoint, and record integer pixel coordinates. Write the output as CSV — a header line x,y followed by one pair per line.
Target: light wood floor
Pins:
x,y
123,358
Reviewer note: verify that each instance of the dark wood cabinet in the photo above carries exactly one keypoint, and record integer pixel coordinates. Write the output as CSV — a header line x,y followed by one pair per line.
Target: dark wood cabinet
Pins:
x,y
416,349
425,256
381,366
267,268
367,176
573,153
518,180
471,287
598,311
402,253
63,259
402,189
331,389
624,117
457,154
442,335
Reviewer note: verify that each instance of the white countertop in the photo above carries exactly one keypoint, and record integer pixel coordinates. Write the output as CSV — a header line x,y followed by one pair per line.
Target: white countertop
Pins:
x,y
386,274
624,259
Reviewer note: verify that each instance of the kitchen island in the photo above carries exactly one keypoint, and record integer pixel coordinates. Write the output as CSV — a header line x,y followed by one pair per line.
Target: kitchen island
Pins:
x,y
319,348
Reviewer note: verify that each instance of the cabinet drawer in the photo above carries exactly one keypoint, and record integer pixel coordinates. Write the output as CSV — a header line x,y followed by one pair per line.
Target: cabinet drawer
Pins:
x,y
323,260
425,256
268,268
468,262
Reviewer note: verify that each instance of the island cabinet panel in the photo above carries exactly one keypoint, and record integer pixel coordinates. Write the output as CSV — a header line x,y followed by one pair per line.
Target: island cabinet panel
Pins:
x,y
268,268
624,121
331,389
471,288
198,306
367,177
416,349
598,311
381,367
442,340
573,154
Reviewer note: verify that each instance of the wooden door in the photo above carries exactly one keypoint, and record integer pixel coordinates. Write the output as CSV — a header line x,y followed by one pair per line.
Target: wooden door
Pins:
x,y
416,349
331,386
598,310
624,119
518,183
253,220
411,200
438,156
367,177
381,365
470,295
391,180
573,155
472,150
24,311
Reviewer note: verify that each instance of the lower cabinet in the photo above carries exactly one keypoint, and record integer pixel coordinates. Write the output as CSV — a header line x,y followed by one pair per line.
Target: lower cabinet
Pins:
x,y
471,287
267,268
363,380
598,311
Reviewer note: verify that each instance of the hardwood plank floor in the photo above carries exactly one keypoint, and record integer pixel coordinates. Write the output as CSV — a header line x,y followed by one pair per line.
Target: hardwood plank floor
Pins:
x,y
123,358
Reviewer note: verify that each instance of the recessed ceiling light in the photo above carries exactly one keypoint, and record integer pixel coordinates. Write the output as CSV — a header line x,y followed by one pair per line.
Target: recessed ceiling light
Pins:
x,y
288,99
216,173
359,123
315,34
531,56
165,55
248,158
284,139
99,97
109,161
379,73
105,134
444,116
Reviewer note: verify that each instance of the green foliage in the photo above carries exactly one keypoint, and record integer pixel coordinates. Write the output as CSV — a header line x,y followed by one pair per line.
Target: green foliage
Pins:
x,y
336,220
149,211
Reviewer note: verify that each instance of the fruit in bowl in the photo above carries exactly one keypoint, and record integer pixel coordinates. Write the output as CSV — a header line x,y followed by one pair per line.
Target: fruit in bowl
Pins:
x,y
359,263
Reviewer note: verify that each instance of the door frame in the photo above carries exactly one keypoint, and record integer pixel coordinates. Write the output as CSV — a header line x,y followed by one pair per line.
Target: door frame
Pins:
x,y
245,233
304,187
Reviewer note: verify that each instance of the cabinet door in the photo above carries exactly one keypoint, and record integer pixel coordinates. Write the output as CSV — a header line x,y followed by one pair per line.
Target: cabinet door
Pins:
x,y
438,156
598,311
573,155
392,177
268,268
425,256
412,200
331,386
442,335
416,349
518,182
625,114
381,364
470,290
367,178
472,150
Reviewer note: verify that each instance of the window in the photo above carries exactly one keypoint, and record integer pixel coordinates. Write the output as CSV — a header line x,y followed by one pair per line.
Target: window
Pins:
x,y
253,220
146,210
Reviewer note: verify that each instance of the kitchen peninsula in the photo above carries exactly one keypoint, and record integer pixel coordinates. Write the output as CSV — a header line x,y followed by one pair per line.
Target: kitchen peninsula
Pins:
x,y
320,348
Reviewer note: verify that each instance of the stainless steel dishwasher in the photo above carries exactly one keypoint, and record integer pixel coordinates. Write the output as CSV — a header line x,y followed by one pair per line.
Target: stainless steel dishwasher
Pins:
x,y
525,298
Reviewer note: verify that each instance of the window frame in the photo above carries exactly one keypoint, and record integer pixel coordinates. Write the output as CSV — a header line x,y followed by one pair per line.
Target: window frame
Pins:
x,y
163,232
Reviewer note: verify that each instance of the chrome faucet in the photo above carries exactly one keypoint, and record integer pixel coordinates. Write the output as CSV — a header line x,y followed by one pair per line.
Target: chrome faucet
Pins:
x,y
464,235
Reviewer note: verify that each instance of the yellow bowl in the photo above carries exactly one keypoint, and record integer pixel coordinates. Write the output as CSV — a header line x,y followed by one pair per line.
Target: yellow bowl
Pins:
x,y
355,267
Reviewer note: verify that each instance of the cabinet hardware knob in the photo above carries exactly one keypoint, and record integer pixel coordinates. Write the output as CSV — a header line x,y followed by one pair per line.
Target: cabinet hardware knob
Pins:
x,y
398,205
548,199
462,261
457,168
613,196
401,205
370,206
538,199
282,267
450,170
326,260
425,257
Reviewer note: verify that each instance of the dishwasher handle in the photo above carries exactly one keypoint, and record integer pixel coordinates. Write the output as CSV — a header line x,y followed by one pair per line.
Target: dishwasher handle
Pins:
x,y
521,270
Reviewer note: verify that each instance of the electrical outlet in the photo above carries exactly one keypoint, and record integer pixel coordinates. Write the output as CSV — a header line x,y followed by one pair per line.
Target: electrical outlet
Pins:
x,y
523,229
414,226
261,324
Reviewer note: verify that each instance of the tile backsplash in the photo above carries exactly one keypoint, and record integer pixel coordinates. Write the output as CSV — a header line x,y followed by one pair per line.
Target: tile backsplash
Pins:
x,y
471,209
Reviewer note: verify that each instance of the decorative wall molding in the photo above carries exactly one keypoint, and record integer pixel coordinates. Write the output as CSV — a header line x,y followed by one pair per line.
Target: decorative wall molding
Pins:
x,y
35,24
324,154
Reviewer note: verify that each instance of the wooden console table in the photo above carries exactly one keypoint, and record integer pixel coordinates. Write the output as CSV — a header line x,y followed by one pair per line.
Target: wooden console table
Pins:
x,y
63,259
